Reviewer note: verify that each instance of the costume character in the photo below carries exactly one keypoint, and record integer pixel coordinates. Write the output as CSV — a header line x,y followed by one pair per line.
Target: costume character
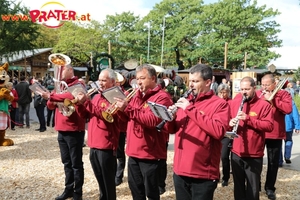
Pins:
x,y
5,98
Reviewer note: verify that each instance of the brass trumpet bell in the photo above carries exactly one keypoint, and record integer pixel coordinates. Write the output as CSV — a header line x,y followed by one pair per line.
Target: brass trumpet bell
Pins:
x,y
108,114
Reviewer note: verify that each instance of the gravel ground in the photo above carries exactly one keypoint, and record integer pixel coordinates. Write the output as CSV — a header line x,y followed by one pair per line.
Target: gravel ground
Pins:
x,y
31,169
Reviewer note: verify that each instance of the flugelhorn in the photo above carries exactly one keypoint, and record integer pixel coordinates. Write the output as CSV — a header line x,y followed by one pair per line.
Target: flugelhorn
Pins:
x,y
162,123
112,109
233,134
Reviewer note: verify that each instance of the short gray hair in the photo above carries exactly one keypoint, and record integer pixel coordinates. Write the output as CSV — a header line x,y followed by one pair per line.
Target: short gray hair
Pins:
x,y
223,87
111,74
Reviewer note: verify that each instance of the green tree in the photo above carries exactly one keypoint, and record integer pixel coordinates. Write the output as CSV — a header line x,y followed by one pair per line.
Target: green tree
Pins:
x,y
16,35
120,30
79,40
245,26
48,37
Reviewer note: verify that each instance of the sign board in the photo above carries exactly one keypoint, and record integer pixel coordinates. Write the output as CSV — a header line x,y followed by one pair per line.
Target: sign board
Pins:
x,y
236,79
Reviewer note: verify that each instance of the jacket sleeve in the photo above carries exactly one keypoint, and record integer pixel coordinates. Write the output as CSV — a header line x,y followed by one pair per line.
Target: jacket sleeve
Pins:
x,y
283,102
295,114
264,122
144,116
214,125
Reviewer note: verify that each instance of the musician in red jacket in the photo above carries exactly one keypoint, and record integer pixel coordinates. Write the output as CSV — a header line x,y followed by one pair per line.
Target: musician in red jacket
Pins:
x,y
145,144
103,136
70,137
282,105
253,120
200,125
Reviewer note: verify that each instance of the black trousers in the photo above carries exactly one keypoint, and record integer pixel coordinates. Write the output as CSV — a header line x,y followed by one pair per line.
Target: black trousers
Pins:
x,y
104,166
121,158
246,176
143,178
12,117
225,158
40,113
162,171
49,114
70,145
273,153
187,188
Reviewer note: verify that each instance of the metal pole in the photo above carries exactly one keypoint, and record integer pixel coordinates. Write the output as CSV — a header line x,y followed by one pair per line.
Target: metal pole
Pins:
x,y
162,42
149,25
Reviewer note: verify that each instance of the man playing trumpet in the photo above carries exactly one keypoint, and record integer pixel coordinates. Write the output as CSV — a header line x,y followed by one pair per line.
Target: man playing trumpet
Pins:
x,y
253,121
145,145
282,105
103,136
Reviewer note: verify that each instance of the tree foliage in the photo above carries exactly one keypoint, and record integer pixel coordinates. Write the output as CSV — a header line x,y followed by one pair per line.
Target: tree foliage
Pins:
x,y
245,26
16,35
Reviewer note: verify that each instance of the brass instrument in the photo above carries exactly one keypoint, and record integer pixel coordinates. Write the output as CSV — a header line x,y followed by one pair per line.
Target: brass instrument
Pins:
x,y
59,60
279,86
108,114
233,134
162,123
70,104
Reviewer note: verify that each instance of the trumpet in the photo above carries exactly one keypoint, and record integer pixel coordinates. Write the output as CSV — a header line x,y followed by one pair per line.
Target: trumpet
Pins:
x,y
232,134
108,114
70,104
172,112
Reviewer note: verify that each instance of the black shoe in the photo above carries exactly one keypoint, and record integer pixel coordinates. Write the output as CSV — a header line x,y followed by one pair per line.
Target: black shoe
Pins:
x,y
65,195
288,161
37,129
161,190
224,183
13,129
77,196
271,195
118,182
42,130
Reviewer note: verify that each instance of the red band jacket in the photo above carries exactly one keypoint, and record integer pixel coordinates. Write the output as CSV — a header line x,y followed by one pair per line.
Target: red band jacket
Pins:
x,y
281,105
251,140
143,139
199,130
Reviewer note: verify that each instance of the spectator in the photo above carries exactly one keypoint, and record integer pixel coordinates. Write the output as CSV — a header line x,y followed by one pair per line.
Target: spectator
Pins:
x,y
224,92
13,105
291,122
39,105
24,101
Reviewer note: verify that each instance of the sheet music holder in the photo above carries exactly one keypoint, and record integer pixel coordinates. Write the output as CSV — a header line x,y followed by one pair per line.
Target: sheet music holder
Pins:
x,y
113,92
75,89
160,111
37,88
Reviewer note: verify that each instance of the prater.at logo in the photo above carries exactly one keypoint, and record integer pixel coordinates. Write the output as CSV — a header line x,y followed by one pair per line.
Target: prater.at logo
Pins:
x,y
53,15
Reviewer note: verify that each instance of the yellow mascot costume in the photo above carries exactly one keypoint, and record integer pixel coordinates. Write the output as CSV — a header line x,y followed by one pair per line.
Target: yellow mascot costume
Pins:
x,y
5,98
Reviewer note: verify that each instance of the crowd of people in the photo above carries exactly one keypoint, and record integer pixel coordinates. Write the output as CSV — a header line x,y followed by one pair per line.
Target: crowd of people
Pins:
x,y
259,117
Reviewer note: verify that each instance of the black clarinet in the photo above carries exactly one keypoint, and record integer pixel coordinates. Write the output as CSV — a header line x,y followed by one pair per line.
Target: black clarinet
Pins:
x,y
172,112
232,134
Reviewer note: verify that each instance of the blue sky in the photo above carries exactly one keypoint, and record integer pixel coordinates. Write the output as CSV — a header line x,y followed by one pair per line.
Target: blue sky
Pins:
x,y
290,14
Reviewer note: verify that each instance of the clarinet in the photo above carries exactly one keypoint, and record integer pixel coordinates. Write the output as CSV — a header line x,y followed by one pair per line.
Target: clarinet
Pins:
x,y
232,134
172,112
